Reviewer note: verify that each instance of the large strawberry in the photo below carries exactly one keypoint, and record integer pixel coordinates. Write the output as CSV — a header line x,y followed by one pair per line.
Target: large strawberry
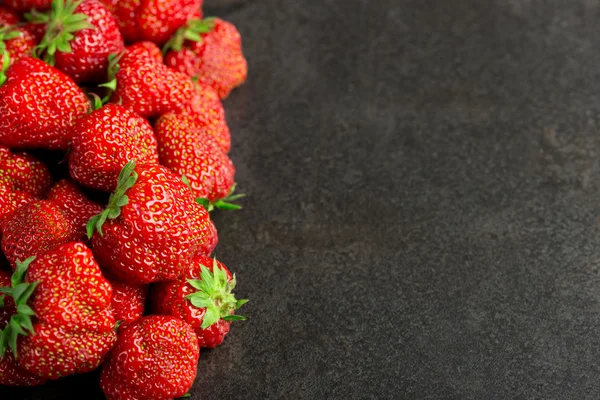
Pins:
x,y
145,85
74,204
79,37
73,328
15,43
33,228
10,372
104,141
153,20
23,179
188,150
52,100
211,51
154,358
149,231
26,5
203,298
128,302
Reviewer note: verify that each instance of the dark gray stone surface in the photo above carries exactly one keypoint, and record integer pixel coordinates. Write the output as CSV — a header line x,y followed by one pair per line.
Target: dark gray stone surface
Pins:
x,y
423,217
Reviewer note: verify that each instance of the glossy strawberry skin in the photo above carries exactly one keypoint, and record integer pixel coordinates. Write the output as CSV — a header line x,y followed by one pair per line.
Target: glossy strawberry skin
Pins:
x,y
148,87
188,150
153,238
216,61
128,302
74,204
10,372
204,232
8,16
154,358
104,141
88,60
153,20
20,46
74,326
54,104
27,5
33,228
168,298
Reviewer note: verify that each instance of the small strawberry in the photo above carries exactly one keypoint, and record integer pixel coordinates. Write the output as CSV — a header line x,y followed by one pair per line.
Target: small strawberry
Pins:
x,y
128,302
15,43
73,328
187,150
146,233
211,51
10,372
33,228
154,358
74,204
153,20
79,37
104,141
23,179
145,85
52,100
203,298
8,16
26,5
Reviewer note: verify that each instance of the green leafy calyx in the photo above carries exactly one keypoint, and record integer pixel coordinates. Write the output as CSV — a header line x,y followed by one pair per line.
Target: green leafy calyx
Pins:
x,y
117,199
19,323
226,203
61,24
192,31
214,293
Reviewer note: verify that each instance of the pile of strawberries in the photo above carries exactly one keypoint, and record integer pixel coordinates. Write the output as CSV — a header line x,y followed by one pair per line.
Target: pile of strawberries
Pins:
x,y
110,266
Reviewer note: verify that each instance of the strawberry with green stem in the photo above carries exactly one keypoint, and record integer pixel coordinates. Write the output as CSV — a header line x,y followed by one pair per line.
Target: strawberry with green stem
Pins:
x,y
16,43
79,37
203,297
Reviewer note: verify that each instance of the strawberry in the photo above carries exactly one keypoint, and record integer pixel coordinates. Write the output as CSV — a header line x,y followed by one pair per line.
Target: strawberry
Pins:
x,y
26,5
10,372
8,16
14,43
74,205
146,233
153,20
52,100
154,358
23,179
128,302
33,228
104,141
203,298
73,328
79,37
187,150
204,232
145,85
211,51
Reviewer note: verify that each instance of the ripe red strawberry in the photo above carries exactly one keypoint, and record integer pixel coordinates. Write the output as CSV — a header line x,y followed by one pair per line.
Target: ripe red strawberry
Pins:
x,y
187,150
74,204
128,302
79,37
146,86
34,228
204,232
104,141
146,233
26,5
153,20
211,51
73,328
10,372
15,43
52,100
23,179
154,358
203,298
8,16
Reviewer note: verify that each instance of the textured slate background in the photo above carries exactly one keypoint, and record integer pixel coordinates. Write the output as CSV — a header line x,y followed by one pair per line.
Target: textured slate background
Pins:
x,y
423,215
